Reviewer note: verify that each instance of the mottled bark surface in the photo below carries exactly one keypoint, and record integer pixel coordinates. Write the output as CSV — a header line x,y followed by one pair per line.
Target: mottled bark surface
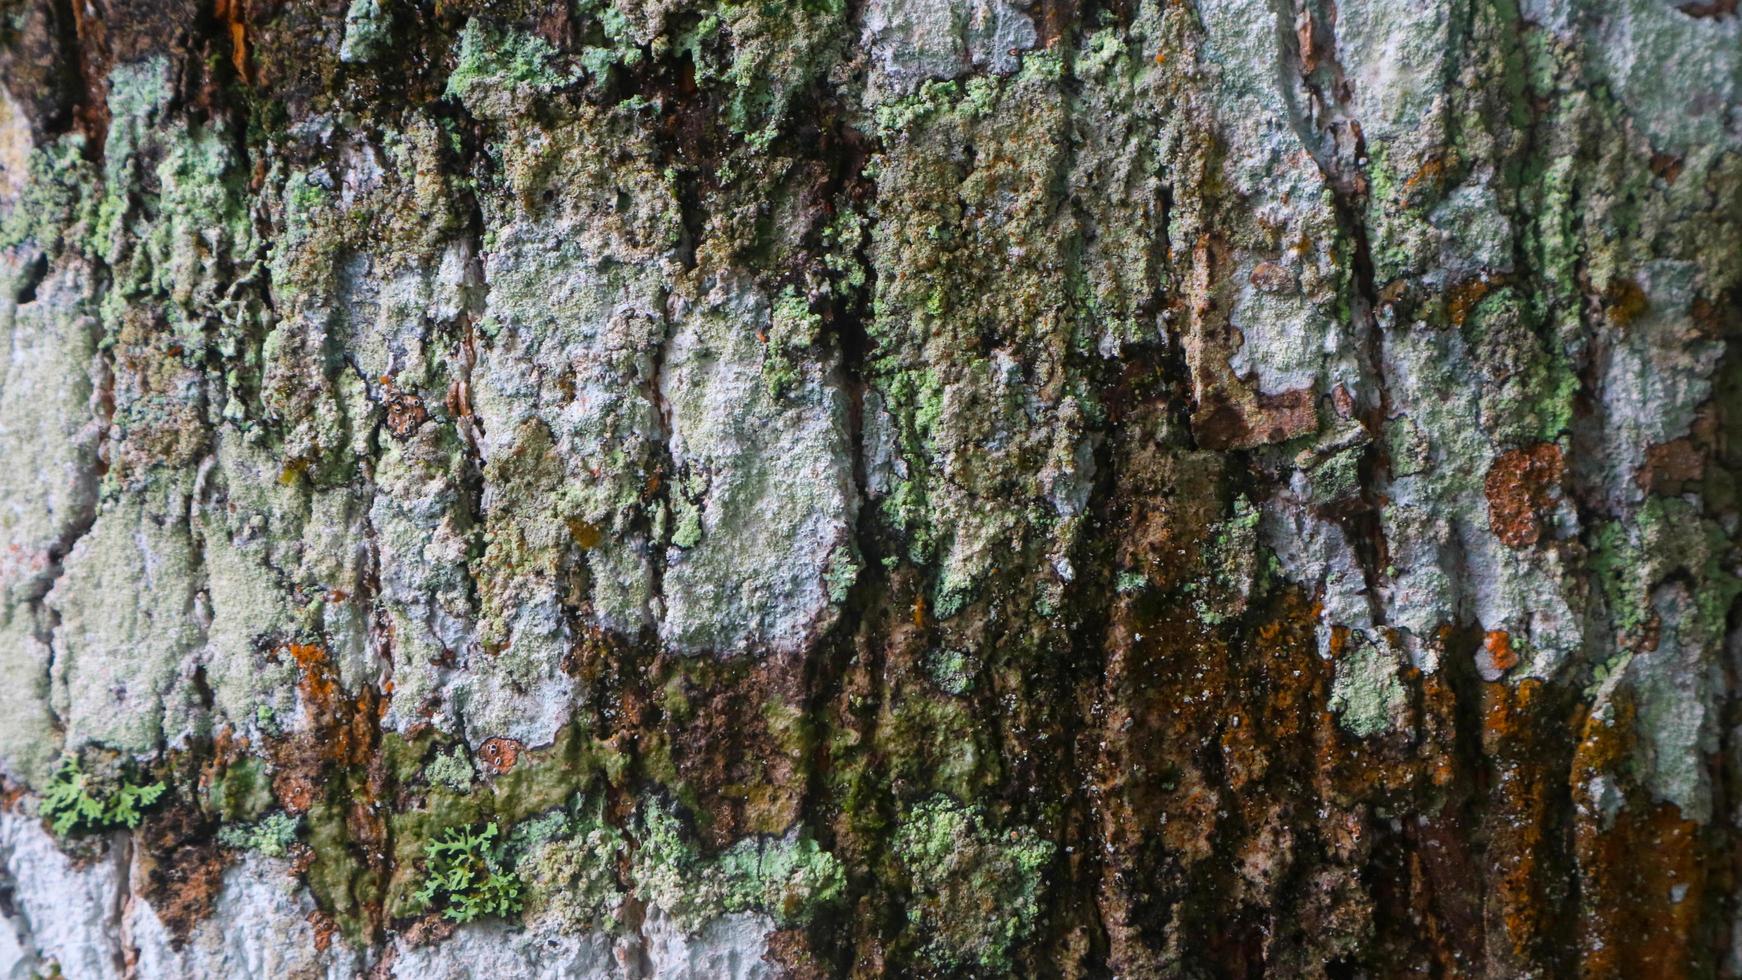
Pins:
x,y
702,488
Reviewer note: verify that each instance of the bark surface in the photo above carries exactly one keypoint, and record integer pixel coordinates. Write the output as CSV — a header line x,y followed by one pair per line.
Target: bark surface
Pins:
x,y
959,488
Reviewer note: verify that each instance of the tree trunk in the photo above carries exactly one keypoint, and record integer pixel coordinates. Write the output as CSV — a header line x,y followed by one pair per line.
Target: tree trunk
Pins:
x,y
704,488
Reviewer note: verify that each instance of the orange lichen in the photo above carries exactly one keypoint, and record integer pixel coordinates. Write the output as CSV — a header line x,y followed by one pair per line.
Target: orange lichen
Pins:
x,y
499,754
232,14
1498,643
1464,297
1523,489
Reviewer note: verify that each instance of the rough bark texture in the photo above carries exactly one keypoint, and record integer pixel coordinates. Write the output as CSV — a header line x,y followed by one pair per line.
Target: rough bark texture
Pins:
x,y
701,488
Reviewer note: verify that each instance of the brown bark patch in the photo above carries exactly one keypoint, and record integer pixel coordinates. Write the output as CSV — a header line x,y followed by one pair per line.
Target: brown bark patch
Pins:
x,y
1228,420
1669,465
179,869
1643,868
1271,277
1624,301
1523,488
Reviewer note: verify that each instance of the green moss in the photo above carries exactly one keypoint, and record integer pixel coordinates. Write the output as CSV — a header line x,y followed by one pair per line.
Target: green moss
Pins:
x,y
976,890
240,791
74,802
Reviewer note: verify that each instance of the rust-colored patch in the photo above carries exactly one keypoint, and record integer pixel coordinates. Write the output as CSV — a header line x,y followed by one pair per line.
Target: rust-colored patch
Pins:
x,y
1498,643
790,952
585,535
1669,466
1464,297
499,754
1643,867
405,412
1624,301
294,789
1523,489
1709,9
1429,176
1239,419
428,930
1666,166
735,735
233,14
324,929
181,868
1271,277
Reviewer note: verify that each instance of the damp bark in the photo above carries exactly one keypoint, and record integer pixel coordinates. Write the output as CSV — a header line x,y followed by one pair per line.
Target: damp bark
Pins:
x,y
958,488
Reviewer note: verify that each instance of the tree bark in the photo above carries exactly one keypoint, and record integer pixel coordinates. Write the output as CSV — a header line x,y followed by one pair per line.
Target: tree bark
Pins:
x,y
702,488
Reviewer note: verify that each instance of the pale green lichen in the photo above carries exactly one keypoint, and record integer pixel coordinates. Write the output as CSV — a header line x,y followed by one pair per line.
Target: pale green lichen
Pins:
x,y
976,890
842,572
951,670
495,67
792,330
788,878
368,31
569,865
1231,563
450,769
272,835
1367,696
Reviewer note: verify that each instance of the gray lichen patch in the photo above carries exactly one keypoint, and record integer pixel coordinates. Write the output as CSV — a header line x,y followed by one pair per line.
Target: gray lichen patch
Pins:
x,y
127,634
1368,695
779,502
911,41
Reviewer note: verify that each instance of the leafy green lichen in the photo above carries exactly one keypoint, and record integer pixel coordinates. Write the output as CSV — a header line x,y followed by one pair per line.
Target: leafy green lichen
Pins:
x,y
466,876
74,802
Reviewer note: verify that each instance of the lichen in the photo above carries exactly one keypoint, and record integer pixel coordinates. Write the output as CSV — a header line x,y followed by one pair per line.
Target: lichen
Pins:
x,y
1367,696
74,802
976,890
272,835
790,878
450,769
466,876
